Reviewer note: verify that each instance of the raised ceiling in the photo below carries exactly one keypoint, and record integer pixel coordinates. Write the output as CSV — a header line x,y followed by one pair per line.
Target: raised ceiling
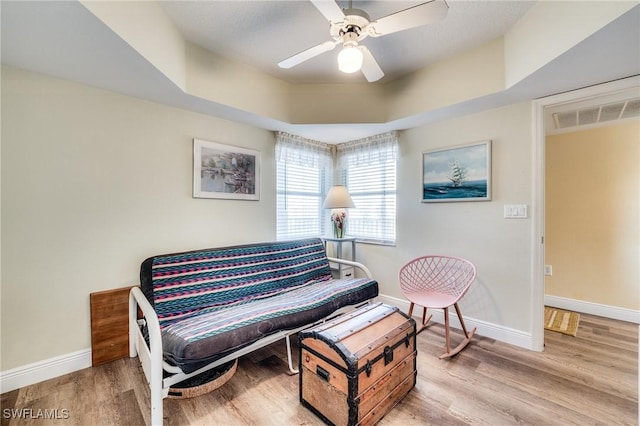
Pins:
x,y
262,33
66,40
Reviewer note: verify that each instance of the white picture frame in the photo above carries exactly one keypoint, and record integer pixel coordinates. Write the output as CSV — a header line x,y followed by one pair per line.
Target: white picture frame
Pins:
x,y
225,171
457,173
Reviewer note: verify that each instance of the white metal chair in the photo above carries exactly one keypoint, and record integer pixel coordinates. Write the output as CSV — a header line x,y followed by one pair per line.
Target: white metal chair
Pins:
x,y
438,282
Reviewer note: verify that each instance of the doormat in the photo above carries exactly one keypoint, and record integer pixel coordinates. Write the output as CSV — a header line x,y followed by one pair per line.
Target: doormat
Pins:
x,y
564,322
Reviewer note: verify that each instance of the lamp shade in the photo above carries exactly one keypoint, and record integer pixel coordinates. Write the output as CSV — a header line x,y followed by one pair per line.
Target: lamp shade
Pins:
x,y
338,198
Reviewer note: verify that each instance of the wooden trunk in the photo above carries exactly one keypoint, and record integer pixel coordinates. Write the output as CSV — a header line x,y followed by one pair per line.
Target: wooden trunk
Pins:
x,y
355,368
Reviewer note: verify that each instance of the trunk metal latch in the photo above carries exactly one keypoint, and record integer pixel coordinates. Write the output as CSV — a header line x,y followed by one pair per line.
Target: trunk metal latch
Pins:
x,y
388,355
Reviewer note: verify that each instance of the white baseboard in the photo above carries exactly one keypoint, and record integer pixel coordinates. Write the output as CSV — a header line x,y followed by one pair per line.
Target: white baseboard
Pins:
x,y
54,367
487,329
44,370
613,312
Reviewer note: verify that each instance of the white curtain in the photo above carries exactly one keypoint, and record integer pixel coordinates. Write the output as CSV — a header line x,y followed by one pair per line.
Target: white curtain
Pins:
x,y
305,174
368,169
304,152
367,151
304,170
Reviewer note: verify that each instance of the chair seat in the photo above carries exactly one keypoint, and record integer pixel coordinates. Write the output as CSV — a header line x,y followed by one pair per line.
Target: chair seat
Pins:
x,y
432,299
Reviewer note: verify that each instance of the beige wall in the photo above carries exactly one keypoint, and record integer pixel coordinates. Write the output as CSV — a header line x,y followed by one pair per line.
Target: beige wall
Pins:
x,y
500,248
92,183
470,75
593,215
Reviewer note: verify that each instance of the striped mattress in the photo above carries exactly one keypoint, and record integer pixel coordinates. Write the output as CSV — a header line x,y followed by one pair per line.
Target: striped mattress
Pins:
x,y
214,301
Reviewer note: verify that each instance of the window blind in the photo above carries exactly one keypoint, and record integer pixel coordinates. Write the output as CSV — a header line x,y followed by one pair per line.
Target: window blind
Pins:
x,y
368,168
304,173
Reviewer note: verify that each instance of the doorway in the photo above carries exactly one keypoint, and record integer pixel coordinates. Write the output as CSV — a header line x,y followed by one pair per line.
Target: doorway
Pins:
x,y
541,109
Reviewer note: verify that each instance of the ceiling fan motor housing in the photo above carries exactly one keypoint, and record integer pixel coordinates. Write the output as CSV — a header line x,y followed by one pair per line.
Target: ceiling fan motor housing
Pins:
x,y
355,22
350,39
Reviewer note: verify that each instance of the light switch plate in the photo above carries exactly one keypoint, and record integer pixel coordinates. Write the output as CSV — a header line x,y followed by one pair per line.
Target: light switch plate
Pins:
x,y
515,211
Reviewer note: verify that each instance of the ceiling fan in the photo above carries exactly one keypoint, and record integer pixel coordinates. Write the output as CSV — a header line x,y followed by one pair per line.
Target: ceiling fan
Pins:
x,y
350,26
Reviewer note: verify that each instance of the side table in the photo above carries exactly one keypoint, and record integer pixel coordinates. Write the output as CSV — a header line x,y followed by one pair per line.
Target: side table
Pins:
x,y
343,271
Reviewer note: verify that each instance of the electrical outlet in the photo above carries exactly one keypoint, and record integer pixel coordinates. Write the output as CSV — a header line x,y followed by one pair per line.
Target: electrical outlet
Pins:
x,y
548,270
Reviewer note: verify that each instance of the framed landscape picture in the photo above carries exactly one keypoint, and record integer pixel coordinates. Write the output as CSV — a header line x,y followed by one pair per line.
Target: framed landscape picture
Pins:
x,y
460,173
225,171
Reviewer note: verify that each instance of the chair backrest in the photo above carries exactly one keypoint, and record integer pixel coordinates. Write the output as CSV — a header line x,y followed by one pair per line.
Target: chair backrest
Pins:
x,y
441,274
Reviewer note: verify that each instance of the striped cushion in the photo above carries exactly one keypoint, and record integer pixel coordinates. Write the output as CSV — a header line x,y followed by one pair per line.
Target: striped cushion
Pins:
x,y
198,340
181,285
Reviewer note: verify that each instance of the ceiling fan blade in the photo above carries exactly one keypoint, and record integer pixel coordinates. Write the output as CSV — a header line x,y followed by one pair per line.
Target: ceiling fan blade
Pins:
x,y
305,55
422,14
330,10
370,67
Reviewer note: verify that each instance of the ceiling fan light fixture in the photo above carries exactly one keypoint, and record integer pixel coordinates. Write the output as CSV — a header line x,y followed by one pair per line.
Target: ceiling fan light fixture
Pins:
x,y
350,59
350,26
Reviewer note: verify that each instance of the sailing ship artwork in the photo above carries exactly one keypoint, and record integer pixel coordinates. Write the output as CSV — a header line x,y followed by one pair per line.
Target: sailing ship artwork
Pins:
x,y
461,173
223,171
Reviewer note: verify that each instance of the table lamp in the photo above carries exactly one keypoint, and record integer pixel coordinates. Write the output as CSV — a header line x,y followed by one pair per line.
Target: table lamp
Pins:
x,y
338,199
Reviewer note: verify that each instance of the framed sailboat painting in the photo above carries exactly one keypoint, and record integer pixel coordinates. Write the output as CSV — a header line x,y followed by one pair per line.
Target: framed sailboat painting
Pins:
x,y
459,173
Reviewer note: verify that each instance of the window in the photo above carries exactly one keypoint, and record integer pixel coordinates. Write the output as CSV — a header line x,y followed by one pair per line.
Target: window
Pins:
x,y
368,168
304,170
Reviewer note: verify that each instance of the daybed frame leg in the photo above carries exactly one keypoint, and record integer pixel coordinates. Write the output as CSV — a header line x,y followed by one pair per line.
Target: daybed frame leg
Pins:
x,y
133,326
156,397
153,369
155,382
291,369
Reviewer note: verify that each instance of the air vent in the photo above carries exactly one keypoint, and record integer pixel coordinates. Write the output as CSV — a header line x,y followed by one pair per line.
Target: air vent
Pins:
x,y
611,111
566,119
588,116
598,114
632,109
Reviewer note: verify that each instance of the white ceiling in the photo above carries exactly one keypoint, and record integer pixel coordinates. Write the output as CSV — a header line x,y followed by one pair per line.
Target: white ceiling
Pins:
x,y
262,33
63,39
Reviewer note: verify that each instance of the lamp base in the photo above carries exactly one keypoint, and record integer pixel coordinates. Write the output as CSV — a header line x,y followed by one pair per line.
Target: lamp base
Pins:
x,y
339,221
338,232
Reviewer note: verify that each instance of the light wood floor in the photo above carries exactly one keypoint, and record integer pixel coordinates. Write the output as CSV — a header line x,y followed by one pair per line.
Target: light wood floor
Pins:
x,y
588,380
